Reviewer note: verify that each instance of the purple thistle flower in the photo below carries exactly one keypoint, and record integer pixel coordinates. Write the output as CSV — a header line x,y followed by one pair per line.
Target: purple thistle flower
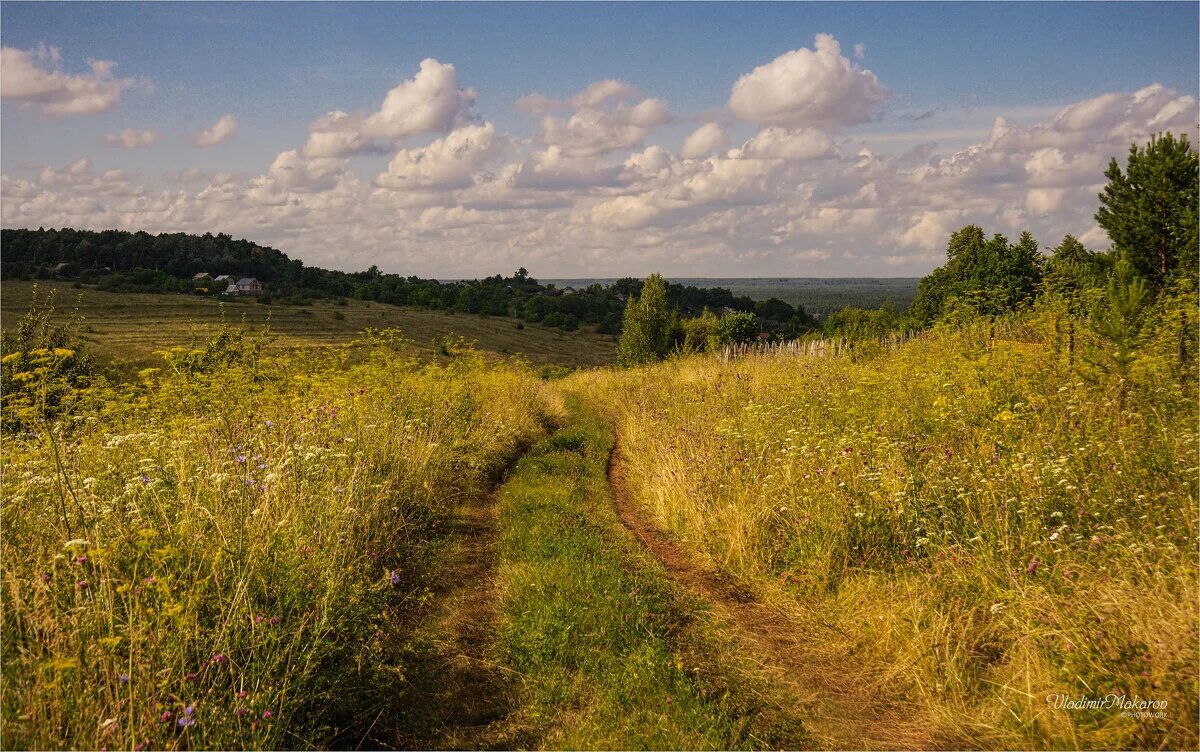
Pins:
x,y
273,620
123,678
219,658
395,577
146,479
259,619
267,714
241,458
243,694
1033,565
249,481
191,676
240,712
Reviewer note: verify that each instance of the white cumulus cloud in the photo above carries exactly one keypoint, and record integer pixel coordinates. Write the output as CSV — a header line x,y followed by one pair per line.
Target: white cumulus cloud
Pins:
x,y
432,101
33,79
808,88
704,140
224,129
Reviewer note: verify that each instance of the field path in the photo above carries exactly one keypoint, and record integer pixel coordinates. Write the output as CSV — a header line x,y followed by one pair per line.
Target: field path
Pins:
x,y
842,711
463,698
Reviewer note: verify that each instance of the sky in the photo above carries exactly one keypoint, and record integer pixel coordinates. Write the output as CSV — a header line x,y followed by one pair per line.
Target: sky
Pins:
x,y
590,139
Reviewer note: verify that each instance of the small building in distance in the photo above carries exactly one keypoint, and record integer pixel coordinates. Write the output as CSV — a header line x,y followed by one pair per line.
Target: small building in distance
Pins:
x,y
248,286
200,276
244,286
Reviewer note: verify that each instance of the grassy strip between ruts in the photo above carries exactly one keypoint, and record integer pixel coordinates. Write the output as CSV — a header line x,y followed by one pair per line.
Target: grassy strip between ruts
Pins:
x,y
604,652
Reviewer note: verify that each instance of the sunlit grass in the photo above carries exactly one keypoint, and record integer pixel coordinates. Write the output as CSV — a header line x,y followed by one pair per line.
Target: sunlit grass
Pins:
x,y
233,558
974,520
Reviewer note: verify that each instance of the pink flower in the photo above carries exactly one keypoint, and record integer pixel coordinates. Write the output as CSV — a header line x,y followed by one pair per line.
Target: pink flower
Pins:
x,y
267,714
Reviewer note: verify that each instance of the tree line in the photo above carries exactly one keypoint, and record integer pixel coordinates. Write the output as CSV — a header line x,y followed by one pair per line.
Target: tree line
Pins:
x,y
120,261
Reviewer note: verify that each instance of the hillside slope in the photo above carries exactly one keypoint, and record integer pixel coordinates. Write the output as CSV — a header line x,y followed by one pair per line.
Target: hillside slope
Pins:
x,y
133,325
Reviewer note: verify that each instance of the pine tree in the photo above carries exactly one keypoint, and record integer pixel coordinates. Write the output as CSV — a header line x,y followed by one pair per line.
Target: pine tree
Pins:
x,y
1149,209
1118,319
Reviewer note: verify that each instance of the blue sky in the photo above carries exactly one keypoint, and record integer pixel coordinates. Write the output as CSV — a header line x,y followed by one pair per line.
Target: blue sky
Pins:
x,y
278,67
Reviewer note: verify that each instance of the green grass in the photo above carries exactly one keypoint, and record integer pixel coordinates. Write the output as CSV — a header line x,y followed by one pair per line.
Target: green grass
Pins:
x,y
131,326
605,651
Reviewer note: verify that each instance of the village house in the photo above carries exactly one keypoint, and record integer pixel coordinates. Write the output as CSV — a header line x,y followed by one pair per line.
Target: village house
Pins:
x,y
244,286
200,276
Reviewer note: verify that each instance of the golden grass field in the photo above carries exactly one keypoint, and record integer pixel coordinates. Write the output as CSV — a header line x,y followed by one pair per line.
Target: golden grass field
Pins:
x,y
133,326
920,545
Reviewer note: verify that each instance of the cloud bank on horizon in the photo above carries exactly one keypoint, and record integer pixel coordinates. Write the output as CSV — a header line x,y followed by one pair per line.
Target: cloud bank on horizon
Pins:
x,y
583,193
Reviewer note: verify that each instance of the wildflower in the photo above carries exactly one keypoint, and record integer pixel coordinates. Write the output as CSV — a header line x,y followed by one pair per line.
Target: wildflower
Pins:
x,y
145,480
273,620
394,576
46,577
82,585
261,466
184,722
219,658
243,694
81,560
259,619
123,678
188,710
269,424
267,714
191,676
241,458
240,712
337,489
249,481
141,746
166,716
1033,565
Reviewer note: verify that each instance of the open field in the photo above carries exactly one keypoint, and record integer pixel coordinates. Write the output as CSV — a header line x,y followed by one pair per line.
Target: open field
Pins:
x,y
132,326
974,522
916,545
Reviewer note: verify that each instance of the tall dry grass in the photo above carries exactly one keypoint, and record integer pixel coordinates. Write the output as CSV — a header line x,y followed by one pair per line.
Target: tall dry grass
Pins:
x,y
233,553
973,521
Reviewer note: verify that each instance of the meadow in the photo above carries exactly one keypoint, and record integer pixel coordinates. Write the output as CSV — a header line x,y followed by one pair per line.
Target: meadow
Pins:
x,y
977,521
374,544
133,326
238,556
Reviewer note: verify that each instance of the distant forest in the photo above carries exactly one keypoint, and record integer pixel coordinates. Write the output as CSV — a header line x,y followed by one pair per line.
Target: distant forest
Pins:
x,y
120,261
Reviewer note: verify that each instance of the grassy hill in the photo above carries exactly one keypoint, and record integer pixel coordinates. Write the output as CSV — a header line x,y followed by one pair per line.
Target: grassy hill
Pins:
x,y
132,326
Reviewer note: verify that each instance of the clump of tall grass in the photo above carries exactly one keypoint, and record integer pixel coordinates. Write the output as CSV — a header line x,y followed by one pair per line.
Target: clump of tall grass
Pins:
x,y
983,520
231,552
